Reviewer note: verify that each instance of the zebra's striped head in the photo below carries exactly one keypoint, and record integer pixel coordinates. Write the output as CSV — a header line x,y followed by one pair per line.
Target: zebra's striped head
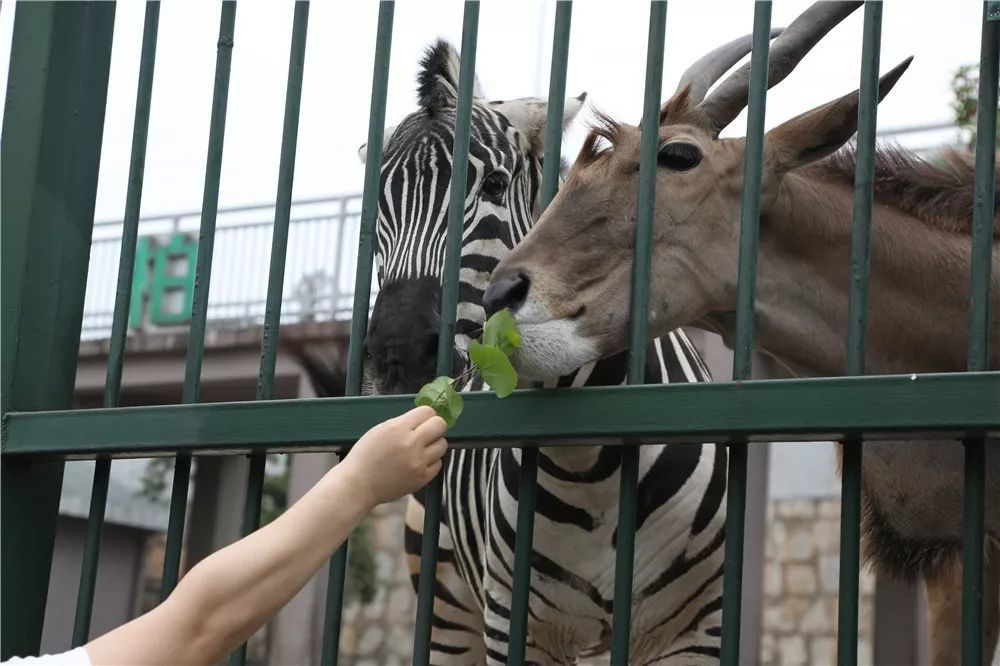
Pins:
x,y
501,203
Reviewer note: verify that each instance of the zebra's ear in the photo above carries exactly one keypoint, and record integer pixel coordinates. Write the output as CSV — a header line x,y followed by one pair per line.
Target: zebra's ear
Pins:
x,y
363,150
437,80
528,115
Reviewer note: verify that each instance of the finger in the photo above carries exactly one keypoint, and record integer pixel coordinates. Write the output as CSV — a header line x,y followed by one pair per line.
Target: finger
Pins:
x,y
415,416
431,429
435,450
433,469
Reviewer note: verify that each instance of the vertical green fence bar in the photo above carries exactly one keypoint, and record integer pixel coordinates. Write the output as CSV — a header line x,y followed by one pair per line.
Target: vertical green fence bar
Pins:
x,y
133,200
743,351
527,495
557,103
52,132
283,204
276,272
203,274
527,499
621,621
119,324
979,328
864,174
446,336
91,551
251,521
362,296
175,525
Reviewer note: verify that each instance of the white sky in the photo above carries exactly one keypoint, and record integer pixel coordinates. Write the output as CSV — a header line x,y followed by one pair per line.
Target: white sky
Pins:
x,y
607,59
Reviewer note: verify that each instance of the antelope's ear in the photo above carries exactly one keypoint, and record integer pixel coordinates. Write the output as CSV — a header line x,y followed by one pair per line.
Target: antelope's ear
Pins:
x,y
363,150
820,132
529,114
678,104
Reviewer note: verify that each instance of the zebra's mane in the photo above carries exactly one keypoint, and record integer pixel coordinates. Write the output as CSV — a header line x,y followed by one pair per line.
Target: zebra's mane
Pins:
x,y
437,79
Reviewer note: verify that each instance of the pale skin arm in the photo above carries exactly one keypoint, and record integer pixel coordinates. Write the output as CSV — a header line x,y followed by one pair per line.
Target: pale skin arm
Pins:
x,y
228,596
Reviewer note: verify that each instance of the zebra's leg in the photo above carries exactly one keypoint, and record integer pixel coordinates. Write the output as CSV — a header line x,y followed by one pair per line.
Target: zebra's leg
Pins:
x,y
698,641
697,647
497,634
457,624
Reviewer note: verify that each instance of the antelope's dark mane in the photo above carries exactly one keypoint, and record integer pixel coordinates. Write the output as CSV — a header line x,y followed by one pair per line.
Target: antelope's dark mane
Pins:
x,y
937,190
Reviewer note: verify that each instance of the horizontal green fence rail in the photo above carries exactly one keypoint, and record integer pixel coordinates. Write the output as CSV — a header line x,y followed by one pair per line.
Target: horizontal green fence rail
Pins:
x,y
883,407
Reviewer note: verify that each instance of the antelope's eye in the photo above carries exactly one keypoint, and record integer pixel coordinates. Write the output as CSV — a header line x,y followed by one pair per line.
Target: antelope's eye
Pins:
x,y
679,156
495,184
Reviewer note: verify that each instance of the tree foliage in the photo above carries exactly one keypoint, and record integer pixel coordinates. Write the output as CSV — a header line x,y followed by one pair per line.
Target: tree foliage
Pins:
x,y
965,105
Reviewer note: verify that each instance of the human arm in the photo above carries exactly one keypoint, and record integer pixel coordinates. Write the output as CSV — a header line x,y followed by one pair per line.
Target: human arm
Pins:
x,y
229,595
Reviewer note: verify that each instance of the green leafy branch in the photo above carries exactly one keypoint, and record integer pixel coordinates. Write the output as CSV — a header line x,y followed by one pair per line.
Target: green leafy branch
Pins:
x,y
490,357
965,105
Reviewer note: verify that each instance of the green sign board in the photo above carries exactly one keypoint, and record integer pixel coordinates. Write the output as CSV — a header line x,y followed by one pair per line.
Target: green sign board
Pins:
x,y
163,282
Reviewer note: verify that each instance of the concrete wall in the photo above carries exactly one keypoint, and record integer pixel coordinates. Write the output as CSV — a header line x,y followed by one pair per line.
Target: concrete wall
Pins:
x,y
115,599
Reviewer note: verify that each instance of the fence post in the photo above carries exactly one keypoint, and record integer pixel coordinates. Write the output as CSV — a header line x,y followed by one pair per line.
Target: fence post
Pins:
x,y
736,493
979,332
52,132
329,655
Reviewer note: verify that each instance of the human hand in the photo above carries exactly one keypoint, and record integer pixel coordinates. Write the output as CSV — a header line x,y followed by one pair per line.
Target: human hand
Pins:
x,y
398,456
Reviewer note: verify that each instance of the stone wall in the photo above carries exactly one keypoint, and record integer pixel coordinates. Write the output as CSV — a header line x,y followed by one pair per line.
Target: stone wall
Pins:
x,y
380,633
801,578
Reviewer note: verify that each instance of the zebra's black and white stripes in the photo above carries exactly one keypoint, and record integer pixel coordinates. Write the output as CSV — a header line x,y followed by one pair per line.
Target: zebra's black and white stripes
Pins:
x,y
678,564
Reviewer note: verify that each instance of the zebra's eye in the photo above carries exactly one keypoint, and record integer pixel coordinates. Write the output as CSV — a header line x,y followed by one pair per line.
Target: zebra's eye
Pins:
x,y
495,184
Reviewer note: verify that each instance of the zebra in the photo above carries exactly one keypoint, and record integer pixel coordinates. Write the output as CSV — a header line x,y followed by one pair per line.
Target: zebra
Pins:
x,y
679,544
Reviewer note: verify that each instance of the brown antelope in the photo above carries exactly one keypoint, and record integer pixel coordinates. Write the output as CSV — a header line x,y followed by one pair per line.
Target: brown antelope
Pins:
x,y
568,282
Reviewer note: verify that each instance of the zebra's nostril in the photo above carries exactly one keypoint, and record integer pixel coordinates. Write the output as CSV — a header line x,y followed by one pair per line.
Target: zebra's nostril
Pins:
x,y
508,292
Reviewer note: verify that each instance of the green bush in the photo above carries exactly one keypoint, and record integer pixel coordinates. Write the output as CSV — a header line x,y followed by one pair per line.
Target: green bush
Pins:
x,y
965,86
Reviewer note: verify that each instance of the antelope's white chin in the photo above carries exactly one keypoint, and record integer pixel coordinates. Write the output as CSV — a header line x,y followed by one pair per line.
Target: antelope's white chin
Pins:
x,y
551,348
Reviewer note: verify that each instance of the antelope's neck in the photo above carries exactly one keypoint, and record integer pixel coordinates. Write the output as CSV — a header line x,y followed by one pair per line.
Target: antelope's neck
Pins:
x,y
918,290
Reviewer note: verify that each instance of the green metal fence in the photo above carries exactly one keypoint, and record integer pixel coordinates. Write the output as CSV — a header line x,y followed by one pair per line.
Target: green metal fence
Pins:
x,y
51,152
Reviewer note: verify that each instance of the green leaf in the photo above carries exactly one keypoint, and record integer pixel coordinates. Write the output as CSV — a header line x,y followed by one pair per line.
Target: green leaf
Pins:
x,y
442,398
495,368
501,331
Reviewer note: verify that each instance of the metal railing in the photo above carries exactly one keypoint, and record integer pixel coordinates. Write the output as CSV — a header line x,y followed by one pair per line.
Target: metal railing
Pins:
x,y
48,207
318,282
